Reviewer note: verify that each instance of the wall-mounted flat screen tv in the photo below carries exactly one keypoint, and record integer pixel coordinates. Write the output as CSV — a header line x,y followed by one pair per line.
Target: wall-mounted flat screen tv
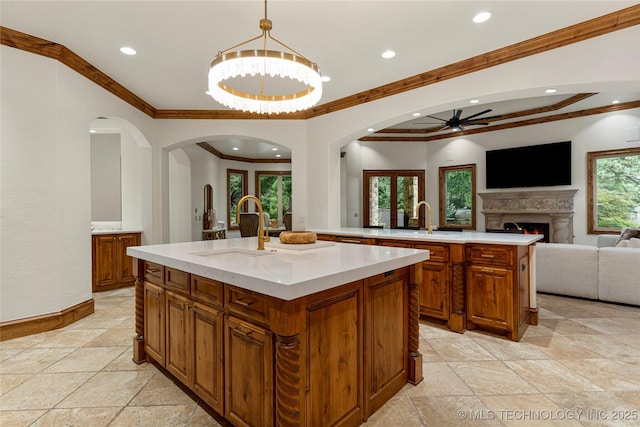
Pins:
x,y
531,166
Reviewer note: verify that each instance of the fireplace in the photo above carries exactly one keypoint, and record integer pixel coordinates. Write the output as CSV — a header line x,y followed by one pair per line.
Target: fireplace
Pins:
x,y
548,212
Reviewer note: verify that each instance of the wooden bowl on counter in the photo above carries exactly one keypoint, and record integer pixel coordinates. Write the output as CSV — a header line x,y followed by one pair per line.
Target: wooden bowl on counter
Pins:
x,y
298,237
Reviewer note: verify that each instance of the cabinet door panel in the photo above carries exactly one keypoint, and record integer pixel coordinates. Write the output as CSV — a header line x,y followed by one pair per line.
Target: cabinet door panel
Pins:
x,y
154,322
335,341
208,362
178,339
434,290
125,262
490,297
248,374
104,261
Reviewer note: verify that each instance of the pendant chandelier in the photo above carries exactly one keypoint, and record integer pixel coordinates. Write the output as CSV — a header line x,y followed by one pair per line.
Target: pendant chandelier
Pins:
x,y
267,64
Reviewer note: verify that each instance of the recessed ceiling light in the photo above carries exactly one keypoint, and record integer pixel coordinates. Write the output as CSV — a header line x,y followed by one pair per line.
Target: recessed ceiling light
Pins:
x,y
388,54
552,90
274,149
416,114
278,155
370,129
235,148
482,17
92,131
615,101
326,79
128,50
474,101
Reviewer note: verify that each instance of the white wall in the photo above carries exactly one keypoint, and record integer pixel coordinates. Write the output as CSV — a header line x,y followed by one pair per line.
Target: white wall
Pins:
x,y
106,194
45,221
179,196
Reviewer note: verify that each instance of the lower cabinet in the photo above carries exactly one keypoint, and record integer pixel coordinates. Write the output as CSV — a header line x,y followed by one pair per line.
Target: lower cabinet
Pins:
x,y
248,374
154,322
435,290
112,268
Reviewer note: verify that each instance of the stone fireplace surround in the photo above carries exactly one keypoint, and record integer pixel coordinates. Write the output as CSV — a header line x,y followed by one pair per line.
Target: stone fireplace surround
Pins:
x,y
554,207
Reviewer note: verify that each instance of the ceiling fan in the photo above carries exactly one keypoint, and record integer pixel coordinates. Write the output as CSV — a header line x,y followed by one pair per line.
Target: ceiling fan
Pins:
x,y
457,123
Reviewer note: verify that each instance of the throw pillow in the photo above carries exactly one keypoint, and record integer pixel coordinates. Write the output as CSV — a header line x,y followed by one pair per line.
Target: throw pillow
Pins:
x,y
623,244
627,233
634,243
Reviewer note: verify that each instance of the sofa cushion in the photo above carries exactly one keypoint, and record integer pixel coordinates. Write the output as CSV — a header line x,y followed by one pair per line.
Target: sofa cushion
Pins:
x,y
567,269
627,233
619,275
634,243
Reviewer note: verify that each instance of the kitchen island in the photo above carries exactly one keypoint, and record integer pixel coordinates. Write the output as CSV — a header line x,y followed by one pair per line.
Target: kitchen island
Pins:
x,y
319,334
472,280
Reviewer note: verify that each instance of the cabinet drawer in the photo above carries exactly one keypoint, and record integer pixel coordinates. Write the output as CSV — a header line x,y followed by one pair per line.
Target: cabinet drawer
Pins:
x,y
490,254
153,273
436,252
177,280
394,243
246,302
207,290
356,240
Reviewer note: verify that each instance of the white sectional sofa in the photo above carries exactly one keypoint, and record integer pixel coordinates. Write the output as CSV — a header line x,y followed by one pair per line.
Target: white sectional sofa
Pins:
x,y
602,272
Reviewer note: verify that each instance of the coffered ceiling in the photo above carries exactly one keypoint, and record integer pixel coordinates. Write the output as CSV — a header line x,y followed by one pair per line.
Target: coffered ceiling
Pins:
x,y
176,40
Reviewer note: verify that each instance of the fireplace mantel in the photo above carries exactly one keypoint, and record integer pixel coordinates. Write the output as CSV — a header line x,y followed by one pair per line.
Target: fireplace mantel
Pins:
x,y
551,206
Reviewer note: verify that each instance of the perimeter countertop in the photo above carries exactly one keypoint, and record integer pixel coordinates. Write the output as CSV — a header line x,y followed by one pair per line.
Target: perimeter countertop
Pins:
x,y
100,232
437,236
279,271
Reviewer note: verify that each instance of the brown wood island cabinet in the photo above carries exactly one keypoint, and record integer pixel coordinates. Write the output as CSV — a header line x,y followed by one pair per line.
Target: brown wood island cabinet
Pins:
x,y
469,285
330,358
112,268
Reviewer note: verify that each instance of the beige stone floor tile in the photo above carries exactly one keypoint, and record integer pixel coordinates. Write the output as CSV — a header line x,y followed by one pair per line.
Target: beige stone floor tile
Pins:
x,y
157,416
398,411
454,411
460,349
529,411
607,326
10,381
503,349
550,376
8,353
87,359
607,345
19,418
629,339
95,321
128,323
617,375
439,380
160,390
428,353
43,391
538,331
430,330
201,418
33,360
93,417
115,388
29,341
566,326
597,409
125,362
560,347
113,338
71,338
631,397
491,377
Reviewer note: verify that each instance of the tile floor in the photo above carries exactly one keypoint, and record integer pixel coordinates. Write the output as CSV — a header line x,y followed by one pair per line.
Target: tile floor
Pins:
x,y
580,366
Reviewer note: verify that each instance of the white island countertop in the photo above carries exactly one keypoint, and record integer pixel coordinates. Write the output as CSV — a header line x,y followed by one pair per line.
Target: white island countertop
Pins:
x,y
437,236
282,271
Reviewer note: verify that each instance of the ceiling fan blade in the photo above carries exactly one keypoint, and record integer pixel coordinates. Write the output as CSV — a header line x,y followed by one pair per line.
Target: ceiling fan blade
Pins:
x,y
474,123
425,123
457,114
437,118
477,114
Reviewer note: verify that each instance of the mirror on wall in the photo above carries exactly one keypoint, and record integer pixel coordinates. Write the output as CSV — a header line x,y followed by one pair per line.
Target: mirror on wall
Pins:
x,y
106,181
457,197
237,187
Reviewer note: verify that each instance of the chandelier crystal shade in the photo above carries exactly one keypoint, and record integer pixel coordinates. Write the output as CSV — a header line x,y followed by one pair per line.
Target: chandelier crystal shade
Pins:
x,y
267,64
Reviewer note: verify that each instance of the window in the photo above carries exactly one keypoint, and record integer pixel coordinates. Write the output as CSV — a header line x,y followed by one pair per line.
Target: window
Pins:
x,y
457,196
390,198
274,192
236,189
613,186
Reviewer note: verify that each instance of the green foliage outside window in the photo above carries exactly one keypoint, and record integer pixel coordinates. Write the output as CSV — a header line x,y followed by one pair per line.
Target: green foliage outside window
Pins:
x,y
459,192
618,191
